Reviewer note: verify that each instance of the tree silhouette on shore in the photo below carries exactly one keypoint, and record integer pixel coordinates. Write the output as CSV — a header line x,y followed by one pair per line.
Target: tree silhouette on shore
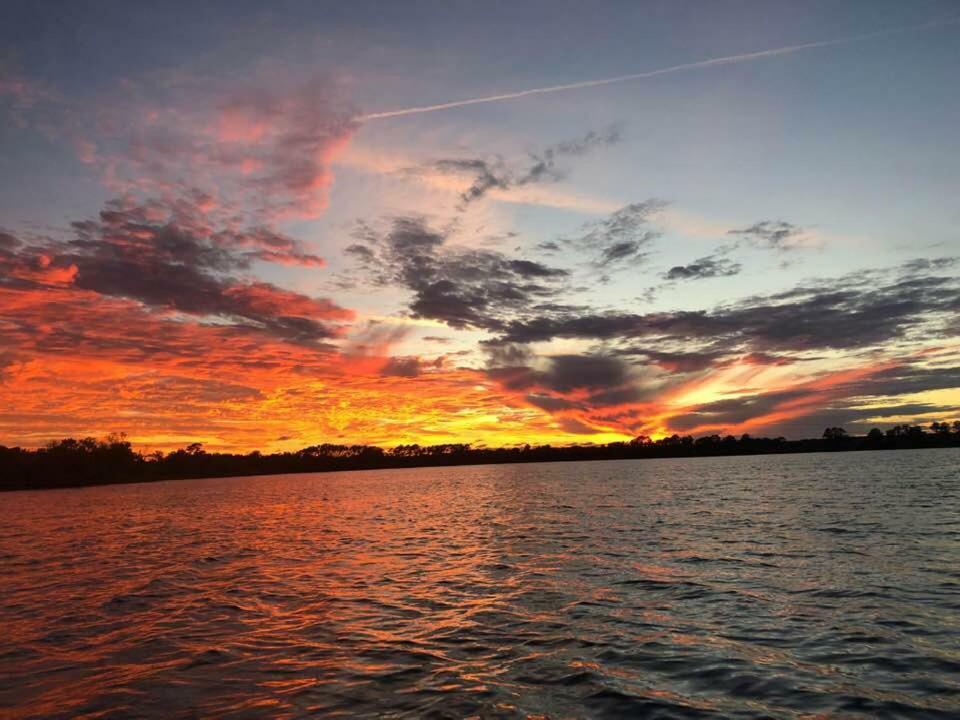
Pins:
x,y
71,462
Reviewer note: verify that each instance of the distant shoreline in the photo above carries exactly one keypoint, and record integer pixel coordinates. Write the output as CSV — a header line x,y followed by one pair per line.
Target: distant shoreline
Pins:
x,y
88,462
471,463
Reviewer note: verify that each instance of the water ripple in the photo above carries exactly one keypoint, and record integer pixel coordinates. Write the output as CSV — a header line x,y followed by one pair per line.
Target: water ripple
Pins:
x,y
789,587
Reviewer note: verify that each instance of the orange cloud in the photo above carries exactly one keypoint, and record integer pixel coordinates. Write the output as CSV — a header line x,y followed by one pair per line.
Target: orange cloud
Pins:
x,y
85,364
270,300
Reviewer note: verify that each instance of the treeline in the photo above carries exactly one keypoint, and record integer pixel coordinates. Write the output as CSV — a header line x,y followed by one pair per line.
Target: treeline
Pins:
x,y
73,463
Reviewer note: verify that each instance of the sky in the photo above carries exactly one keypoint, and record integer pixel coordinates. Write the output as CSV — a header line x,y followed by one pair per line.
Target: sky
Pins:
x,y
272,225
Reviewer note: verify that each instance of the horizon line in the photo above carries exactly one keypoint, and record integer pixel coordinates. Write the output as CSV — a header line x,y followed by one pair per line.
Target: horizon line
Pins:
x,y
122,437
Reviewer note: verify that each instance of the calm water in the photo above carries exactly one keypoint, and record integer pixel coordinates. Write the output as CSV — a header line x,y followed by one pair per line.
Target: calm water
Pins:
x,y
722,587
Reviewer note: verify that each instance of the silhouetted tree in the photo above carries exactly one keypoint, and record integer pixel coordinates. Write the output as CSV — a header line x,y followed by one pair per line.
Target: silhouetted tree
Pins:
x,y
834,434
87,461
940,428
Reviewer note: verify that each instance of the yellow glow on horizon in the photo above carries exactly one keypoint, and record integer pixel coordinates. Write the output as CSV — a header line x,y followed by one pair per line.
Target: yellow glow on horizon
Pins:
x,y
948,397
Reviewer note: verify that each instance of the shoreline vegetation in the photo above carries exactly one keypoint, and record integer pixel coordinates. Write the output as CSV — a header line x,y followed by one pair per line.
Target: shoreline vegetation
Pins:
x,y
79,463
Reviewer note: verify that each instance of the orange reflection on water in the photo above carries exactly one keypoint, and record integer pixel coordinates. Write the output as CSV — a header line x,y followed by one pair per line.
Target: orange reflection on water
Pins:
x,y
538,589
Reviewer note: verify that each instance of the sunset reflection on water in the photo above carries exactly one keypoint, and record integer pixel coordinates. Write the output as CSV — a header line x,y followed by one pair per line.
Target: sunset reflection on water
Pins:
x,y
687,587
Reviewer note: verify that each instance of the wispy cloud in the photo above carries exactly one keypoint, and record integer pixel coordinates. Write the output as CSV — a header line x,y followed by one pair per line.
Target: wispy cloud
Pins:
x,y
492,174
632,77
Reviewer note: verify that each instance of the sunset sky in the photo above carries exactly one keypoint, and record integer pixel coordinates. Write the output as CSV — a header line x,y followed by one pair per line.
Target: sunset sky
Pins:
x,y
271,225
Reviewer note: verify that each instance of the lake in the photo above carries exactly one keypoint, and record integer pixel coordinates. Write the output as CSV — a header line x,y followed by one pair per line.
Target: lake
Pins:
x,y
784,586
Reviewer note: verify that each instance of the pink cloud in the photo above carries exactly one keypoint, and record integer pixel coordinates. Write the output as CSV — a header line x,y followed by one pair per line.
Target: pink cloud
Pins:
x,y
267,148
263,150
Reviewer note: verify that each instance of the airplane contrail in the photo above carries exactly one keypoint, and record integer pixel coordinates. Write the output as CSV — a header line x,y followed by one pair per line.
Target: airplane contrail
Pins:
x,y
712,62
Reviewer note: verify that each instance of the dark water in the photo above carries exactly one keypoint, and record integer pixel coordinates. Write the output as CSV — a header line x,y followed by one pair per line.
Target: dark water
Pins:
x,y
797,586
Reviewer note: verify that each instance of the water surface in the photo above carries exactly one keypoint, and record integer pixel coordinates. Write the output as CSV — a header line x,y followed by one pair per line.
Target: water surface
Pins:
x,y
780,586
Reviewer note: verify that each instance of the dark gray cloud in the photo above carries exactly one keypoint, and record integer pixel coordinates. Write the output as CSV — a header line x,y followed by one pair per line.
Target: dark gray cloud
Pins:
x,y
267,245
551,403
921,266
402,367
772,234
601,384
360,252
706,267
503,354
542,166
734,410
487,175
763,358
486,289
681,362
8,243
625,394
603,380
836,412
463,287
179,231
857,311
529,268
574,426
907,379
698,360
622,238
572,372
637,356
172,262
857,404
